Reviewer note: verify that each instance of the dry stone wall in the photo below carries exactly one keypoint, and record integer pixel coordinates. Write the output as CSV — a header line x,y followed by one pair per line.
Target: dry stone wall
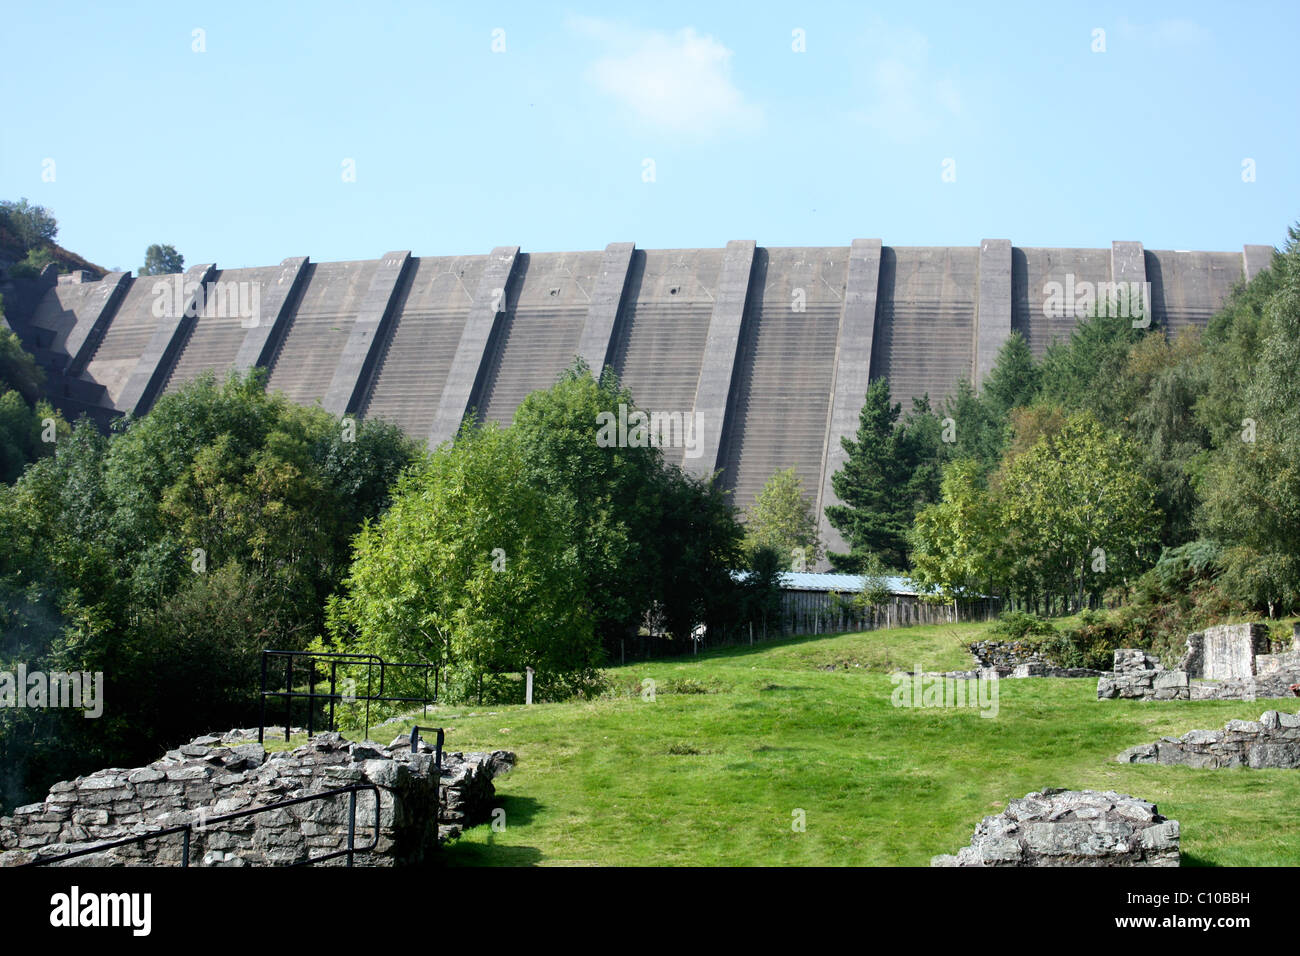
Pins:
x,y
1270,743
1057,827
212,776
1228,662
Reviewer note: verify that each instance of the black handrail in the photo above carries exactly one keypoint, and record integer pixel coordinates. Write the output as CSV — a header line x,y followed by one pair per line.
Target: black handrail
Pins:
x,y
370,661
187,828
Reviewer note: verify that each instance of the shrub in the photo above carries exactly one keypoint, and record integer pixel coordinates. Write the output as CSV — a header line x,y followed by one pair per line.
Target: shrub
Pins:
x,y
1018,625
1091,644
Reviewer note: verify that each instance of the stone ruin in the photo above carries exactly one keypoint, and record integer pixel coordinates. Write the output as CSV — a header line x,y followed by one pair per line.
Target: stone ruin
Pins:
x,y
1056,827
1013,659
212,776
1270,743
1227,662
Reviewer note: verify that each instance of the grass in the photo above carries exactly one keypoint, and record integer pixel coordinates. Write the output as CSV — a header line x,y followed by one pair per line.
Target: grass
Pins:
x,y
716,773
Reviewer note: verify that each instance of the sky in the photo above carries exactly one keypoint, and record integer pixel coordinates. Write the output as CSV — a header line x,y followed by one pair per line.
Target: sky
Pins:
x,y
247,133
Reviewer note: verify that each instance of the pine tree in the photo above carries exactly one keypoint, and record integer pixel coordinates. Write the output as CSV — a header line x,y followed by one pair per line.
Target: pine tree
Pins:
x,y
1013,382
873,485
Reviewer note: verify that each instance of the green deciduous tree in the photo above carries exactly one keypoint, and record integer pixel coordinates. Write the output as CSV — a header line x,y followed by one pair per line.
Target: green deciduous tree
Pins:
x,y
469,569
33,226
1079,515
1252,487
783,519
954,542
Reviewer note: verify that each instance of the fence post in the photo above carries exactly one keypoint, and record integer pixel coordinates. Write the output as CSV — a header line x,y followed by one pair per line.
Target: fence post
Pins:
x,y
261,707
352,821
528,686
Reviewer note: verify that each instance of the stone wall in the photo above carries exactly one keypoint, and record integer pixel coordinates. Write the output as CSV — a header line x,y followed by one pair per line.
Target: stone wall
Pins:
x,y
1014,659
1140,676
212,776
1056,827
1223,650
1272,742
1006,654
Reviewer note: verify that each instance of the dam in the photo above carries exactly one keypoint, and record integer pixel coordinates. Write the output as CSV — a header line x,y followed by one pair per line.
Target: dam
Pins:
x,y
769,349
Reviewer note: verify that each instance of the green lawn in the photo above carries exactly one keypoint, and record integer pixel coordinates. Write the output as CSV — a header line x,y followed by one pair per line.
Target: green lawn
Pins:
x,y
711,771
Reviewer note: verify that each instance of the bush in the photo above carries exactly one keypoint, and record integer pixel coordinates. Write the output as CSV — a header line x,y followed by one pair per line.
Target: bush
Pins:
x,y
1091,644
1018,625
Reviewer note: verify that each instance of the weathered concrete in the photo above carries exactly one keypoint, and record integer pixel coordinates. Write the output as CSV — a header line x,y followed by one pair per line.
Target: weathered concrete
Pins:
x,y
1189,287
852,375
924,317
261,339
357,362
471,358
85,336
787,347
926,312
428,321
993,318
155,363
323,314
1255,259
596,343
713,391
539,334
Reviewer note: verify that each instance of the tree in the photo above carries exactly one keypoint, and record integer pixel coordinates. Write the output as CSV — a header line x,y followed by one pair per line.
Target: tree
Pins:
x,y
1087,370
603,495
1077,512
33,226
979,426
891,470
650,536
18,369
172,550
1014,379
783,519
1252,486
953,541
469,569
698,547
161,260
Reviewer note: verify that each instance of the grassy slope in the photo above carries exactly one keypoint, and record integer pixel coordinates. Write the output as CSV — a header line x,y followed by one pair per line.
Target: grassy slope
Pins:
x,y
596,782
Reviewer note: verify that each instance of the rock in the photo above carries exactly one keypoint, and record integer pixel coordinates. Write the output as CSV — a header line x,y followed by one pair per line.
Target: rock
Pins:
x,y
1266,755
1071,828
1270,743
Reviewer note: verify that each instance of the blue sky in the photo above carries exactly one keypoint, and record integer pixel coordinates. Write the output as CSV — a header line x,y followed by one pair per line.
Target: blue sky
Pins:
x,y
237,154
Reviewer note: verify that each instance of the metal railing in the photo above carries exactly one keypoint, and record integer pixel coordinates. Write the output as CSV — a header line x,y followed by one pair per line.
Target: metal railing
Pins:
x,y
187,828
314,658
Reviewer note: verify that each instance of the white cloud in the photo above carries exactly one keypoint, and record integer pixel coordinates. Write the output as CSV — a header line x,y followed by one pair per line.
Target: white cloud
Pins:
x,y
903,96
676,82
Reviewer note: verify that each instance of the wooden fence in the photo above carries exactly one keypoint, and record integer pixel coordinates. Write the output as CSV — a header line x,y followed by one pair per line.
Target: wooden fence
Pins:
x,y
812,612
817,612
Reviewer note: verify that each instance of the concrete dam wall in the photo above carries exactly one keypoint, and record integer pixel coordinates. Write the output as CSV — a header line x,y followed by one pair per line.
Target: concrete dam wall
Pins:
x,y
769,350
